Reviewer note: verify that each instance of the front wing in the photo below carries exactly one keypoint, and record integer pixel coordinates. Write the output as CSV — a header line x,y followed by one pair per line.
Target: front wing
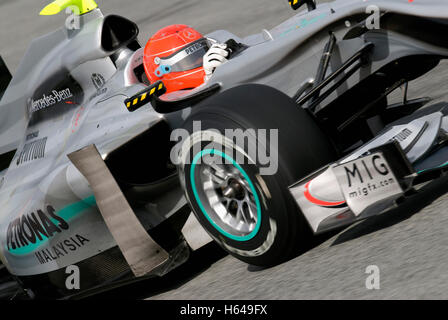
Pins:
x,y
371,180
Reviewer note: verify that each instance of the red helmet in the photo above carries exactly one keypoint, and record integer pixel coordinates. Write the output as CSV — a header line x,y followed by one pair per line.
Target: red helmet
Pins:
x,y
174,55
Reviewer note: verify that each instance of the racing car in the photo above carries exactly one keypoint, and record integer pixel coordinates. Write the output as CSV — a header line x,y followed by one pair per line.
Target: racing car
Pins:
x,y
109,173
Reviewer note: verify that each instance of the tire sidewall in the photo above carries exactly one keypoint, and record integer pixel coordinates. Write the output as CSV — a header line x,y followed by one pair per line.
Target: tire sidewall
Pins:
x,y
274,217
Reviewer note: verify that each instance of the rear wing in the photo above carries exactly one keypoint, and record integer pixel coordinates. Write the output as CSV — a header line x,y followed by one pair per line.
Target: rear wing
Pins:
x,y
5,77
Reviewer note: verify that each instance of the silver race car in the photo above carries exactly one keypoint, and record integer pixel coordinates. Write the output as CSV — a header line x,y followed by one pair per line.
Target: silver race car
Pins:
x,y
111,174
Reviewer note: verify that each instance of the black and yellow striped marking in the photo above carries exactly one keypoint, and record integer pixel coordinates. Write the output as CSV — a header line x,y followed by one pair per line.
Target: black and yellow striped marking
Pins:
x,y
143,97
295,4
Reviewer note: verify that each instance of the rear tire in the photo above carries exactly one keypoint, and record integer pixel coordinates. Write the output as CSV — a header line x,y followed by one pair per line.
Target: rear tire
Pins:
x,y
246,209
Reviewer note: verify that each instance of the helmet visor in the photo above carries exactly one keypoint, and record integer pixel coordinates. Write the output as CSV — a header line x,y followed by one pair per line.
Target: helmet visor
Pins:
x,y
190,57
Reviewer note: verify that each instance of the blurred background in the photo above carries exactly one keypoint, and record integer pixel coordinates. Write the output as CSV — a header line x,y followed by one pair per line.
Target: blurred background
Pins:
x,y
20,21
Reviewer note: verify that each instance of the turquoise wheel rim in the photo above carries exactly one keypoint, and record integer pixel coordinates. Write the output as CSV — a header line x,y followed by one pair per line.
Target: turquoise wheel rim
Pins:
x,y
198,156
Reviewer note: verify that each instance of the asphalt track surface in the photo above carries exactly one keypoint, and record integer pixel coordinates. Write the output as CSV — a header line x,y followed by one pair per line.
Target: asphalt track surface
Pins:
x,y
408,244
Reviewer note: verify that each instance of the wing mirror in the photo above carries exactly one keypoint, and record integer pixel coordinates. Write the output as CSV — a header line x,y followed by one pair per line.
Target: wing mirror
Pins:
x,y
296,4
117,33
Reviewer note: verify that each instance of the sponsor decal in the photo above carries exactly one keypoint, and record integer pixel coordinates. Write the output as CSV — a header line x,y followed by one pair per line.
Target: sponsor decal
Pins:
x,y
367,181
353,173
403,135
33,227
30,231
32,151
54,98
61,249
188,34
195,47
98,80
365,190
50,99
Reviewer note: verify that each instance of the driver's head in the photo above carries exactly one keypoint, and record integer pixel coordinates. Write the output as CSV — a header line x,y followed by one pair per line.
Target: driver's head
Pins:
x,y
174,55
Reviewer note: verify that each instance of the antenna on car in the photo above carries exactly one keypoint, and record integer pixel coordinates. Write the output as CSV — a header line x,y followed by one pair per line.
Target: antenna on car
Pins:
x,y
84,6
296,4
